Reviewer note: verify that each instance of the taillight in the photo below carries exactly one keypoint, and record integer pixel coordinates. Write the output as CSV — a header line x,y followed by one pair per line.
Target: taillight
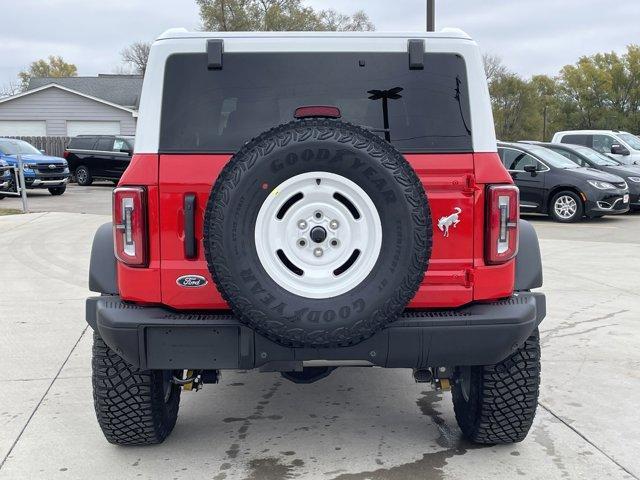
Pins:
x,y
130,225
503,214
324,111
65,154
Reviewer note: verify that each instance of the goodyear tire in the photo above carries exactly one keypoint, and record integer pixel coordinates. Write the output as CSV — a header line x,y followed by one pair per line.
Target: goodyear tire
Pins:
x,y
317,233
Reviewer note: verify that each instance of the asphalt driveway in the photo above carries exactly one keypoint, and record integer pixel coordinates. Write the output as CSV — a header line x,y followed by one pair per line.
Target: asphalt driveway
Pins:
x,y
95,199
357,423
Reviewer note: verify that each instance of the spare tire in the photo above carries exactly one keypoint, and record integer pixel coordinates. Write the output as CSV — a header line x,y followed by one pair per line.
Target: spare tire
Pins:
x,y
317,233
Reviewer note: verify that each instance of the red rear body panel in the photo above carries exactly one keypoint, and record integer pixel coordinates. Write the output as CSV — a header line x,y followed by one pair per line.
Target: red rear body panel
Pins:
x,y
457,273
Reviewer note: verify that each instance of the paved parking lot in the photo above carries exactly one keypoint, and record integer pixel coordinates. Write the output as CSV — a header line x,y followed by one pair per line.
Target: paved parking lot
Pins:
x,y
357,423
95,199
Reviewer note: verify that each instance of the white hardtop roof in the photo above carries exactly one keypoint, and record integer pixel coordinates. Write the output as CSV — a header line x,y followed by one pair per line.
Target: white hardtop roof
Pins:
x,y
590,132
183,33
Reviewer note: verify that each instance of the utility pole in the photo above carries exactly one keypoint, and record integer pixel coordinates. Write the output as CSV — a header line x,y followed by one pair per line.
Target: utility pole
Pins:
x,y
431,15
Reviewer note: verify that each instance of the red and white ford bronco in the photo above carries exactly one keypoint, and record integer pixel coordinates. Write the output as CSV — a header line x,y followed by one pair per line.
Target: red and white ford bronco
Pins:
x,y
299,202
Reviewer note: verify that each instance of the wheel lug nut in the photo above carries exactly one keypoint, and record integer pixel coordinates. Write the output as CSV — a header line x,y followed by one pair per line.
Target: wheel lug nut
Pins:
x,y
318,215
334,224
318,252
302,224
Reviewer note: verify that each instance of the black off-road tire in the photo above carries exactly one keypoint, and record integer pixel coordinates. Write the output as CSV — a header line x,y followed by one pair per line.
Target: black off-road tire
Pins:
x,y
10,188
499,405
296,148
55,191
83,176
133,407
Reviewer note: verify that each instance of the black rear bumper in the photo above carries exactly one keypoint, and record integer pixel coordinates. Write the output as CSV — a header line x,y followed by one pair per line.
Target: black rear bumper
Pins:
x,y
159,338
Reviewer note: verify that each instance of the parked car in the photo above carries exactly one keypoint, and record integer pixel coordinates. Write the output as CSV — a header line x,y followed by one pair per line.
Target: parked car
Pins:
x,y
40,170
307,249
586,157
5,176
621,146
99,157
552,184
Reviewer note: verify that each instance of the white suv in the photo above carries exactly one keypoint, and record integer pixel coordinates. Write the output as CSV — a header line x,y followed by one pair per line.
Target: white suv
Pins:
x,y
622,146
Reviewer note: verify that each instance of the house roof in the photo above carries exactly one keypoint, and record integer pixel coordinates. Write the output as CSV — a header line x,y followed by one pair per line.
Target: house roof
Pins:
x,y
75,92
121,90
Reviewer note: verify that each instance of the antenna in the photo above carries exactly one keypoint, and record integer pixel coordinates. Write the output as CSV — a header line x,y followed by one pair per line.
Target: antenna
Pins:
x,y
431,15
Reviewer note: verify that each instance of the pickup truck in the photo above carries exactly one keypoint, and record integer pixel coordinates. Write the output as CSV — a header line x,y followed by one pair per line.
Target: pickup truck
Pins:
x,y
40,170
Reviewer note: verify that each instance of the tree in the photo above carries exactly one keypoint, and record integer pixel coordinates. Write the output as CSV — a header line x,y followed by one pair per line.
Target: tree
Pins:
x,y
601,91
338,22
136,55
493,67
584,88
515,102
10,89
276,15
632,64
548,106
55,67
515,110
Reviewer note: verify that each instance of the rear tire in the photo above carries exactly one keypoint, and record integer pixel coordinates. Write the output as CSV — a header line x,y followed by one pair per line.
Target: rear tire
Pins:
x,y
496,404
10,188
55,191
133,407
83,176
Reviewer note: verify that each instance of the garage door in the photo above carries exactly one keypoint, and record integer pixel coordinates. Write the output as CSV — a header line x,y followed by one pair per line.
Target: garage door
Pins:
x,y
23,128
75,128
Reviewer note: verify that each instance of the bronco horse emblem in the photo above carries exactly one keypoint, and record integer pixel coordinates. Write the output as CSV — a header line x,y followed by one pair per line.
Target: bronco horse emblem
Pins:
x,y
451,221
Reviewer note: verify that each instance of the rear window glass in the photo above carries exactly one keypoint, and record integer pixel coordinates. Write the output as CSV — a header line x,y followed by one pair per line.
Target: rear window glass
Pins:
x,y
217,111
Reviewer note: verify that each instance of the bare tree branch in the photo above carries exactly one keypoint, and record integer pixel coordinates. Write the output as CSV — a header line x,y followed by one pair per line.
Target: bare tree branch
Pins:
x,y
10,89
137,55
493,67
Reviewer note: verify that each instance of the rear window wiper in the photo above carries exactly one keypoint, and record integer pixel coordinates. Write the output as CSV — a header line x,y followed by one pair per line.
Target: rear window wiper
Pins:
x,y
376,130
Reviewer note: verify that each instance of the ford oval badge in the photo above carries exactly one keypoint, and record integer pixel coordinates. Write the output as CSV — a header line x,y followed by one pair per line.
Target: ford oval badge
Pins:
x,y
191,281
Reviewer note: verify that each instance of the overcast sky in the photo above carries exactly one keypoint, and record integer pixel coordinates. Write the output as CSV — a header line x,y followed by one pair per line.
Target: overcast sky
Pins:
x,y
532,36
